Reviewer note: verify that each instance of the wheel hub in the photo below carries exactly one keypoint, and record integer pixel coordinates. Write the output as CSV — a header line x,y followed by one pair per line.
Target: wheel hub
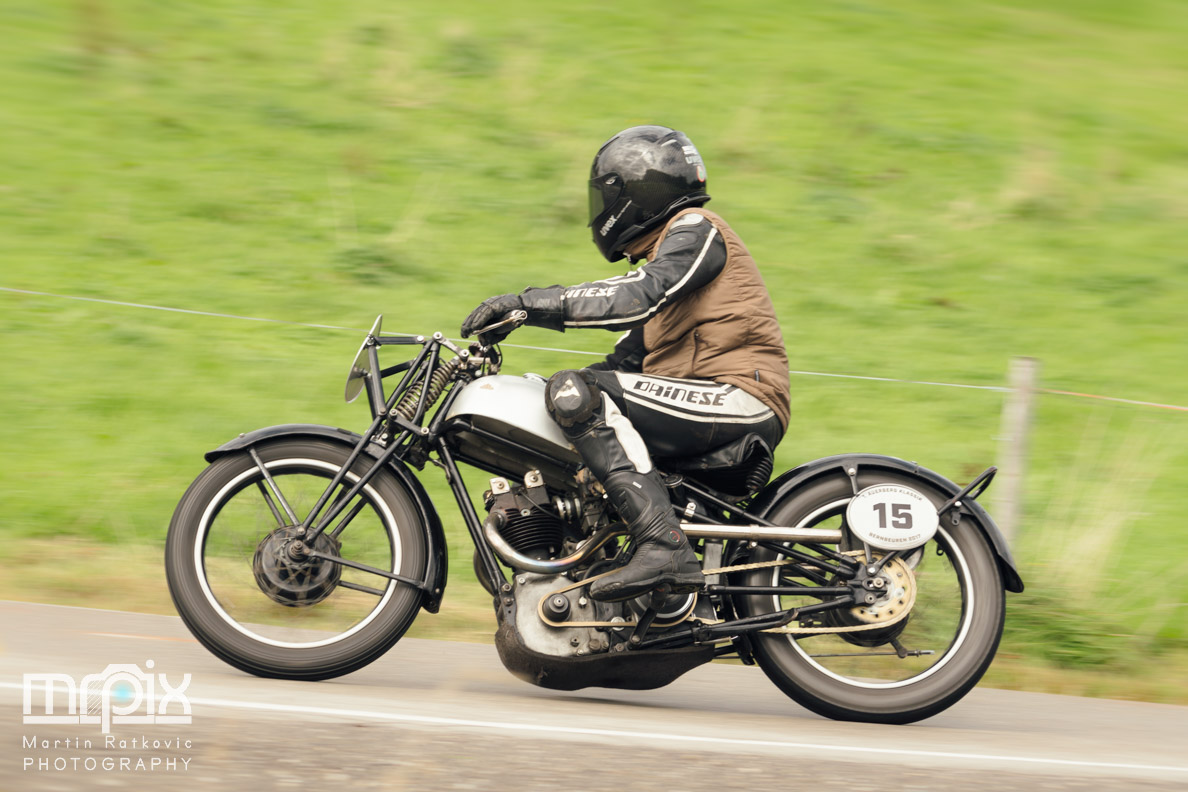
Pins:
x,y
892,586
288,575
894,589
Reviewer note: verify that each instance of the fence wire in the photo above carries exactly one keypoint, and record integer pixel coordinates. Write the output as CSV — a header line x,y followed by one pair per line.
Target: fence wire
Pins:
x,y
291,323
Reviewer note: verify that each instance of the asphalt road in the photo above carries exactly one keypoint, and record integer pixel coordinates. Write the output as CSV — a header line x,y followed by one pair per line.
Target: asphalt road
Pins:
x,y
441,715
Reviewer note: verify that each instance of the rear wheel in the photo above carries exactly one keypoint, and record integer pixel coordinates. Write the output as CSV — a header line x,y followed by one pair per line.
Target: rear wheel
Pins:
x,y
242,585
922,646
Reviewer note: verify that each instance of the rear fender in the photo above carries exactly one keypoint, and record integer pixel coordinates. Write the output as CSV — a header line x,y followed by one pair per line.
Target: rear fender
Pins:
x,y
436,571
787,483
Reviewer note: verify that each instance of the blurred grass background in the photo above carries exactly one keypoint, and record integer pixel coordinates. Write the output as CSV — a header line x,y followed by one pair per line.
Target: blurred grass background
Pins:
x,y
929,188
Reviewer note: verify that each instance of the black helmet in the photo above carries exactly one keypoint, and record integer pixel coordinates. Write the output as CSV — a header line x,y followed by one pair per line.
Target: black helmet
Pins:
x,y
640,178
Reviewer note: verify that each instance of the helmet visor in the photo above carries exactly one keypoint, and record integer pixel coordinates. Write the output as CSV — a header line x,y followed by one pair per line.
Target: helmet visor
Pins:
x,y
604,192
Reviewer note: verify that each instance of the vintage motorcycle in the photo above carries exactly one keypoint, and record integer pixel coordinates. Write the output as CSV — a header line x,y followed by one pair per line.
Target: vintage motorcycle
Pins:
x,y
866,587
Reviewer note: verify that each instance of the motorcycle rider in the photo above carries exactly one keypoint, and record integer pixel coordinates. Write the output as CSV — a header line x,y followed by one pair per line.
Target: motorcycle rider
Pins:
x,y
701,365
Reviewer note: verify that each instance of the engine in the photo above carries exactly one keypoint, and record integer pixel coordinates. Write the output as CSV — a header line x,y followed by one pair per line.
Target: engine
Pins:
x,y
533,524
555,617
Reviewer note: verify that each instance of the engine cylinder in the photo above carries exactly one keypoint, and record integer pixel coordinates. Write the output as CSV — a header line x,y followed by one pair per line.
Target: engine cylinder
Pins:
x,y
535,534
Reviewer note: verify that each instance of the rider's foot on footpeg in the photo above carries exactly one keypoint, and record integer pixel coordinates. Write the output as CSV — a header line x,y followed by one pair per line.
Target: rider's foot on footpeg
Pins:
x,y
656,563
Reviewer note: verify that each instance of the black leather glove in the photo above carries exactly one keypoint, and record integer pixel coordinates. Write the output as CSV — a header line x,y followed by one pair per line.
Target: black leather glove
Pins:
x,y
492,310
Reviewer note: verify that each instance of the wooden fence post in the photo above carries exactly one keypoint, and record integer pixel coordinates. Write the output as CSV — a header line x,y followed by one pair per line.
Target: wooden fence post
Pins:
x,y
1022,378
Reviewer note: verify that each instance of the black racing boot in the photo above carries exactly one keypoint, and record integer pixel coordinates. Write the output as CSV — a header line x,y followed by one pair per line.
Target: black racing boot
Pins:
x,y
663,556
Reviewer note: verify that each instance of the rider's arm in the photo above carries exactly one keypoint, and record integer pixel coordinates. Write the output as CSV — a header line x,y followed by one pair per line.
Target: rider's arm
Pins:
x,y
690,256
628,355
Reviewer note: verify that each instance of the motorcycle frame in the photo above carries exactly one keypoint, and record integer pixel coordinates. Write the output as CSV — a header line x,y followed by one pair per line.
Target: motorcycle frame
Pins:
x,y
393,441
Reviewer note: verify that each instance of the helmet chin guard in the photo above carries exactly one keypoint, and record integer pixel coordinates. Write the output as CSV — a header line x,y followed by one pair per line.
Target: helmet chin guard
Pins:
x,y
640,178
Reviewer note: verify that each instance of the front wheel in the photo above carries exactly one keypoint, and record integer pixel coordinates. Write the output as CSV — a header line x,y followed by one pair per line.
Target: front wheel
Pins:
x,y
871,663
255,601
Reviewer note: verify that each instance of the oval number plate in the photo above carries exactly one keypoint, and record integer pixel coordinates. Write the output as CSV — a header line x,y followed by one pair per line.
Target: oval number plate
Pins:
x,y
892,517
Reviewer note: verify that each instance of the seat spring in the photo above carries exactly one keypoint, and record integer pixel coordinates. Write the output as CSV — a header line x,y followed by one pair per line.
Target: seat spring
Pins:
x,y
759,473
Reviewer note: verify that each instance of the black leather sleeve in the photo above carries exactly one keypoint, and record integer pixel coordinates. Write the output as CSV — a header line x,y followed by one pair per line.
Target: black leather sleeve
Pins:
x,y
544,307
691,255
628,355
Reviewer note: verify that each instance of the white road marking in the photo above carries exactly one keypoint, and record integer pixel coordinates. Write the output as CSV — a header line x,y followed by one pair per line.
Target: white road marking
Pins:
x,y
142,637
23,603
647,736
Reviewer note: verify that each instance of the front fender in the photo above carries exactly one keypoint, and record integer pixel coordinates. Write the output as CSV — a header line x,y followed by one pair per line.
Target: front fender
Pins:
x,y
796,478
435,573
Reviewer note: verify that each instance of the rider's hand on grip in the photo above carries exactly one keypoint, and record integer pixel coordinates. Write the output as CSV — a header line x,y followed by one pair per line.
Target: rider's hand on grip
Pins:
x,y
492,310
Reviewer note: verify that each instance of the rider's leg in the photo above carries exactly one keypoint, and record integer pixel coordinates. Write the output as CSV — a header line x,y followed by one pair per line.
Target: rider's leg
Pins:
x,y
615,453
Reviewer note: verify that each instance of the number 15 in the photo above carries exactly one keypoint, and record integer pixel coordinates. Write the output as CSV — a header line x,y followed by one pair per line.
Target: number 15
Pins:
x,y
901,515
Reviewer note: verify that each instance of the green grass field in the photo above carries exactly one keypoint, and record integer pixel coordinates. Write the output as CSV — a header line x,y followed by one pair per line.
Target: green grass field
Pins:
x,y
930,189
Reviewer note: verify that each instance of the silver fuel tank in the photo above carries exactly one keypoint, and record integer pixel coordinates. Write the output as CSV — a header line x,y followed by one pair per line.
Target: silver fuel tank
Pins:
x,y
499,423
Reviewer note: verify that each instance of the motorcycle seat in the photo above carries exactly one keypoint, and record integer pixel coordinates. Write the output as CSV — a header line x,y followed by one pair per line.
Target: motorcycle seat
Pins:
x,y
739,468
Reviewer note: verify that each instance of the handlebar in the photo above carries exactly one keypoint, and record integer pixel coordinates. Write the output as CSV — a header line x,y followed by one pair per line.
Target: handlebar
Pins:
x,y
513,318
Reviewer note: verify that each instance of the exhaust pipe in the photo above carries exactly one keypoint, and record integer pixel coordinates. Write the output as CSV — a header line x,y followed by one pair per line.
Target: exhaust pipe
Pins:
x,y
762,533
750,533
518,560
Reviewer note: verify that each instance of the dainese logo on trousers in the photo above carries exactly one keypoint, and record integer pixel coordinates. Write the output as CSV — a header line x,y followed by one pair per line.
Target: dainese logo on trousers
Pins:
x,y
121,694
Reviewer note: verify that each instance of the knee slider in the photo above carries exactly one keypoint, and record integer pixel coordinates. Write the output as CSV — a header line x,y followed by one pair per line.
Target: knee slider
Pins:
x,y
572,398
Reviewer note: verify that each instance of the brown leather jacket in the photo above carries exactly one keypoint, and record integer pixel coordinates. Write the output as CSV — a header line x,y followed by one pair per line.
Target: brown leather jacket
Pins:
x,y
698,309
725,331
